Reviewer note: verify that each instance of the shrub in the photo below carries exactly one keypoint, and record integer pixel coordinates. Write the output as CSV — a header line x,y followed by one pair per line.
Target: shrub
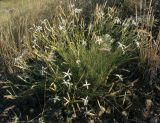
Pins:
x,y
81,61
84,65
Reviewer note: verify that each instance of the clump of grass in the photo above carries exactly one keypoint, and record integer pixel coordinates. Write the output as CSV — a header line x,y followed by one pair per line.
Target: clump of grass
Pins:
x,y
79,68
80,62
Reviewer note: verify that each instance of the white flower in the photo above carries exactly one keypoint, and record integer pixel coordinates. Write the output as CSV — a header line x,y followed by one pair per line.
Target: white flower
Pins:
x,y
89,113
119,76
43,71
44,21
67,83
117,21
38,28
35,43
122,46
84,43
78,61
107,36
85,101
111,41
67,74
134,23
99,40
56,98
86,84
62,28
138,44
77,10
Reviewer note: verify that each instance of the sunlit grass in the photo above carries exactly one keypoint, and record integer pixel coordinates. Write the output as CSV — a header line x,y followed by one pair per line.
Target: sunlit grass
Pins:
x,y
10,8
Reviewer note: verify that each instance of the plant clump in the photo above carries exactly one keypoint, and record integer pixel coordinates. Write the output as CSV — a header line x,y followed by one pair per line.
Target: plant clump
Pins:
x,y
85,69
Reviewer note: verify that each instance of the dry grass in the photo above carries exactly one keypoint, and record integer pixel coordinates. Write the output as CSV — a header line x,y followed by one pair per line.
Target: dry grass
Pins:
x,y
17,18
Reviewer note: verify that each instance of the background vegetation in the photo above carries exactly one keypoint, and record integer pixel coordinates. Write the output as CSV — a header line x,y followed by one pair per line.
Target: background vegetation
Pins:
x,y
79,61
